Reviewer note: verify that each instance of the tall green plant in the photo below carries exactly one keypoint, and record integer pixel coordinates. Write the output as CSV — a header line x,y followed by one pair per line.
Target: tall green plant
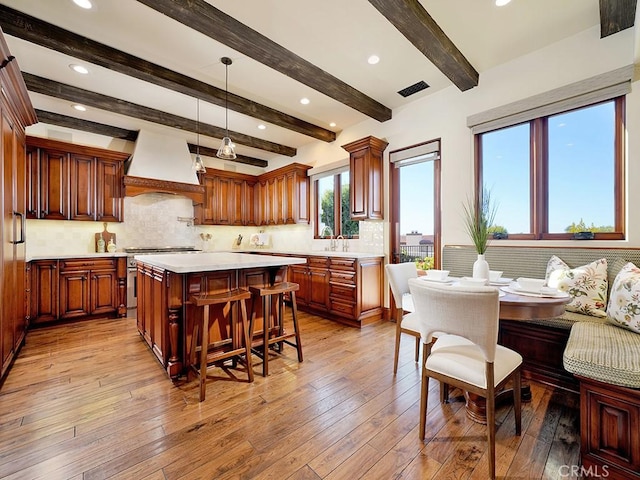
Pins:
x,y
479,215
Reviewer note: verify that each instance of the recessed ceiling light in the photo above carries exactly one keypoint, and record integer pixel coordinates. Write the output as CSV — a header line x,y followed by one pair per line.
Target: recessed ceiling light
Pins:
x,y
262,127
79,68
304,101
501,3
83,4
373,59
80,108
332,124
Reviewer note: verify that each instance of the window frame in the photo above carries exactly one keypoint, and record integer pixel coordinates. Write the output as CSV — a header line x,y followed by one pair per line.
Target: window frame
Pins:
x,y
337,206
538,175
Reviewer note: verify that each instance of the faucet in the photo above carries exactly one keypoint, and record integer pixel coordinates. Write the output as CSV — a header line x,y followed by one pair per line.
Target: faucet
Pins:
x,y
345,243
332,241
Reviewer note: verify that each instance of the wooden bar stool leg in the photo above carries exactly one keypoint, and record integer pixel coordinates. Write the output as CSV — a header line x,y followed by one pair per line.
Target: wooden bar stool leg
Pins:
x,y
294,315
203,352
247,341
266,312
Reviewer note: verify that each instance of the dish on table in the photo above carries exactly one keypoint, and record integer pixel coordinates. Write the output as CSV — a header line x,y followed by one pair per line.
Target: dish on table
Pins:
x,y
501,281
436,280
546,293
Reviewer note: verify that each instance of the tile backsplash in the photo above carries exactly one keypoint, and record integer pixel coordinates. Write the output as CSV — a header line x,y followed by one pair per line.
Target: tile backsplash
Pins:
x,y
157,219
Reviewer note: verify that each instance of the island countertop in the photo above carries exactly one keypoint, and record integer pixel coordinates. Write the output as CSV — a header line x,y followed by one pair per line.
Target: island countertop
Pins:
x,y
215,261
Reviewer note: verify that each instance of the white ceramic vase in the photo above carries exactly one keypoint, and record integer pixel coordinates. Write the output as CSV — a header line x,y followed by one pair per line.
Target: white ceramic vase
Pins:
x,y
481,268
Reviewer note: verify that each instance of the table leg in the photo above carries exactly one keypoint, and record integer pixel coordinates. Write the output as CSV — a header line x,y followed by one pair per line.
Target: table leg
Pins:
x,y
477,408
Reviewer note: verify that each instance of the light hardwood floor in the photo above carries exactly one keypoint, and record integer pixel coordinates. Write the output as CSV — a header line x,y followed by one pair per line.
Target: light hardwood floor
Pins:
x,y
88,401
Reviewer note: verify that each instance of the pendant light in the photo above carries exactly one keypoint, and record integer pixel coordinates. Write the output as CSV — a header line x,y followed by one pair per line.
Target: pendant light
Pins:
x,y
198,165
226,150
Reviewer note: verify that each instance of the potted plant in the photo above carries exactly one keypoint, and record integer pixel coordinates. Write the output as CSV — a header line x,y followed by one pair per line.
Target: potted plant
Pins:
x,y
479,215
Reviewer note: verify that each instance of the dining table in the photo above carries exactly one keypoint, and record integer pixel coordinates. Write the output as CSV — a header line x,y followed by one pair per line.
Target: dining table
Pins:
x,y
514,305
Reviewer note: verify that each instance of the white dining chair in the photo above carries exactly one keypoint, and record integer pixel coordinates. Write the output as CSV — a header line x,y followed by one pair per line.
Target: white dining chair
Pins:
x,y
466,353
399,275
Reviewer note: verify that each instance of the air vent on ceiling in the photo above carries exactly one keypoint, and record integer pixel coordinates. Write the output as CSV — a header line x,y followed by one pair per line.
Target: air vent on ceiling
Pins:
x,y
415,88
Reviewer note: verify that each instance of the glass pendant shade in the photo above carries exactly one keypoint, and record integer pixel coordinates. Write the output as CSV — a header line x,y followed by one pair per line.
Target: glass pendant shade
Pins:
x,y
198,165
226,150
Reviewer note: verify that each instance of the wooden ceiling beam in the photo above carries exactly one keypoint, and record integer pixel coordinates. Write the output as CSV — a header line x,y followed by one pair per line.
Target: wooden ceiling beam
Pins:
x,y
413,21
122,107
53,118
616,15
86,125
208,20
31,29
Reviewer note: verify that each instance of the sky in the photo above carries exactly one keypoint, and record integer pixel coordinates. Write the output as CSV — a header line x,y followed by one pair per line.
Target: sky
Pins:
x,y
580,168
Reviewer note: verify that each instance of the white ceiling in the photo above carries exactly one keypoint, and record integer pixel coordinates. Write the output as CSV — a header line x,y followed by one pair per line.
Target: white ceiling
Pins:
x,y
336,35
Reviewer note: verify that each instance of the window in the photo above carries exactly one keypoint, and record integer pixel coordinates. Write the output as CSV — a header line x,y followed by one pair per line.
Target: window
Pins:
x,y
557,175
332,207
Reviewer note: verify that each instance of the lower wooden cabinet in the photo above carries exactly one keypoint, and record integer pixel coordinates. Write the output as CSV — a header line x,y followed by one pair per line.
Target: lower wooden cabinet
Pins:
x,y
75,288
348,290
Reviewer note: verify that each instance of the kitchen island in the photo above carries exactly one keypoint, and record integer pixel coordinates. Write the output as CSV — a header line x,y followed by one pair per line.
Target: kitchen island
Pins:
x,y
165,282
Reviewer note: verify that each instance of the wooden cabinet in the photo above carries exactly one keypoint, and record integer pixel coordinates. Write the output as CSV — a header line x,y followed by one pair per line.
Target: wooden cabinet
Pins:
x,y
366,178
16,113
152,311
274,198
346,289
228,199
73,182
76,288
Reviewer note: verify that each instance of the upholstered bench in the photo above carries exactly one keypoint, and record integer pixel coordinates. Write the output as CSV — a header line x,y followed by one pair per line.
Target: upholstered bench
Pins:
x,y
606,360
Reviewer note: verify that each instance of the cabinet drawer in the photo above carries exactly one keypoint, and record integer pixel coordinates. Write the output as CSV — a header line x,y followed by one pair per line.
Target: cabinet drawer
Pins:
x,y
320,262
343,292
348,278
88,263
345,309
343,263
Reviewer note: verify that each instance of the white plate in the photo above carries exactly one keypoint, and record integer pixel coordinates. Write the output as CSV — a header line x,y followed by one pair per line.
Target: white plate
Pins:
x,y
436,280
502,281
517,291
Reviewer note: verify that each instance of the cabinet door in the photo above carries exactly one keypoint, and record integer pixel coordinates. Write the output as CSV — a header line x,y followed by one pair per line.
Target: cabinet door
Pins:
x,y
44,291
74,293
260,202
209,200
104,286
82,187
318,283
54,184
358,185
300,274
248,204
7,234
109,191
33,182
224,201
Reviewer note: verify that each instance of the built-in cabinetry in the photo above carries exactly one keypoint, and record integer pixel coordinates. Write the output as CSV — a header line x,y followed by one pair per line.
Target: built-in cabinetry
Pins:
x,y
73,182
366,178
278,197
16,113
346,289
77,288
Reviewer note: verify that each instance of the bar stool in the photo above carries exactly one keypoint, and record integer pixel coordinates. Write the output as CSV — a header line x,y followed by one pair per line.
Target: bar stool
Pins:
x,y
233,347
273,322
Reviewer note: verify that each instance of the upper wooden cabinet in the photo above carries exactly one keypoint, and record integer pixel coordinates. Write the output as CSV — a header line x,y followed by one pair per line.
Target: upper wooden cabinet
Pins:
x,y
73,182
275,198
366,178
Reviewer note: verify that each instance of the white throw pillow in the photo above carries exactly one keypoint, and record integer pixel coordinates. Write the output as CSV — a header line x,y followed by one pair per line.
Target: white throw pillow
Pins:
x,y
624,301
587,285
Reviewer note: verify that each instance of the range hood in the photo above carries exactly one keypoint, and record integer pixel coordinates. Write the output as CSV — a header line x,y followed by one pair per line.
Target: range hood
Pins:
x,y
161,163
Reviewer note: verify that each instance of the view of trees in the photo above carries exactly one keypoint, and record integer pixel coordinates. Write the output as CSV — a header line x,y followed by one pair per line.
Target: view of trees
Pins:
x,y
582,227
349,227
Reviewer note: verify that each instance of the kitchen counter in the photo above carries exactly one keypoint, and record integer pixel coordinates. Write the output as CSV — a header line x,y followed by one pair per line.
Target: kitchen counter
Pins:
x,y
215,261
75,255
315,253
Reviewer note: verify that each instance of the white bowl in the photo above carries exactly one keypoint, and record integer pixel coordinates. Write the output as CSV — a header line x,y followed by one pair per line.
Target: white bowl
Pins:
x,y
494,275
472,282
437,274
530,284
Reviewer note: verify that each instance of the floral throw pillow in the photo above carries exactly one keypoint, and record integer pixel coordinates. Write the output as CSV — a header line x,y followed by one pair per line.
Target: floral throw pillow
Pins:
x,y
624,301
587,285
